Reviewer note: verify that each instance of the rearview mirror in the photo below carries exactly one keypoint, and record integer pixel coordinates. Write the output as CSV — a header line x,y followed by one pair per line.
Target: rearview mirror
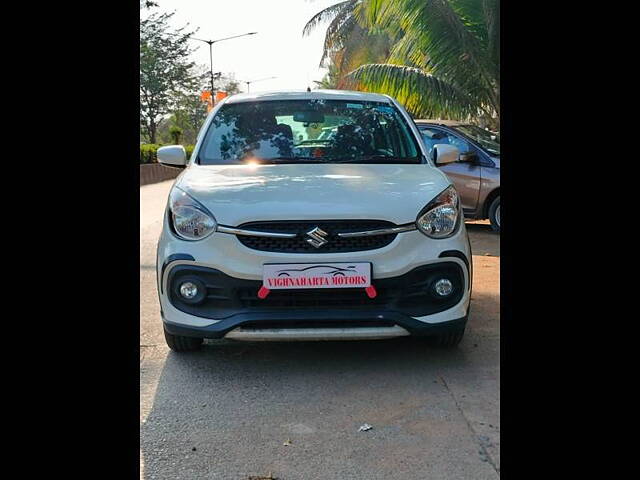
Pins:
x,y
310,116
172,156
444,154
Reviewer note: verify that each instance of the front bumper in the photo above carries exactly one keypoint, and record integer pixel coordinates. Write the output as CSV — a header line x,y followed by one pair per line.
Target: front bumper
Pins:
x,y
405,305
286,325
324,319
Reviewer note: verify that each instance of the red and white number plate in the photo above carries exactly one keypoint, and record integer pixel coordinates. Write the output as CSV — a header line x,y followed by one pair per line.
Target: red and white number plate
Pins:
x,y
278,276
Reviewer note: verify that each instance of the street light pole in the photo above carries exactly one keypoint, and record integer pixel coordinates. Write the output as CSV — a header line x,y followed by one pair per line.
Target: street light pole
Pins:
x,y
249,82
211,64
210,43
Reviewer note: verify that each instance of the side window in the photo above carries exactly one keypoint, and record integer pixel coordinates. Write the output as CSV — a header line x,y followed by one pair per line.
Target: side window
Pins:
x,y
434,136
430,138
462,145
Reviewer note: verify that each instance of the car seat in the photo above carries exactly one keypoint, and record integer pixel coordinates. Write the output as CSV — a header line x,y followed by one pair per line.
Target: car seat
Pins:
x,y
283,139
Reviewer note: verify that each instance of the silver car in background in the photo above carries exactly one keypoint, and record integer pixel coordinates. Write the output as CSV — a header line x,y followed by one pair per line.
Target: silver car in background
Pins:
x,y
476,174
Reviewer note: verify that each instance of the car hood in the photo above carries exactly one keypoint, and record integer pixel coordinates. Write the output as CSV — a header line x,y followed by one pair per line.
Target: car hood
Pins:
x,y
243,193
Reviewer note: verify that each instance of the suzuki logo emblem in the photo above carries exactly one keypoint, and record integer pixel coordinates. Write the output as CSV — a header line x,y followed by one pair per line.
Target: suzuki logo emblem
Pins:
x,y
318,237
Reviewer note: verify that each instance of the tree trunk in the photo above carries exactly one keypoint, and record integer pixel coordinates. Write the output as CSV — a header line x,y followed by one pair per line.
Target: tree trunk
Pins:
x,y
152,128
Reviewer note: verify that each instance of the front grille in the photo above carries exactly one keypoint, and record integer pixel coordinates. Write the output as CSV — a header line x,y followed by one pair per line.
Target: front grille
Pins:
x,y
335,243
410,293
320,298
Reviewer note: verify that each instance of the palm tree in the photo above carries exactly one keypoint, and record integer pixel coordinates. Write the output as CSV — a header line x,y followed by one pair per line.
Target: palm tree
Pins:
x,y
347,44
331,80
445,54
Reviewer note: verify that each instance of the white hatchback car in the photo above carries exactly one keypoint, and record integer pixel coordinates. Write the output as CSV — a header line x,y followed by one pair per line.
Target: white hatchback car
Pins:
x,y
278,230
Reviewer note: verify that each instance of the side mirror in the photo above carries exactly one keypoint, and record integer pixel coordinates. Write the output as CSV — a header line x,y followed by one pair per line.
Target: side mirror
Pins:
x,y
444,154
172,156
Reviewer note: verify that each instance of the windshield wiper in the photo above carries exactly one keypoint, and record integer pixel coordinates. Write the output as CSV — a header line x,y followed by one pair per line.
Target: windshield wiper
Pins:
x,y
293,160
379,159
363,159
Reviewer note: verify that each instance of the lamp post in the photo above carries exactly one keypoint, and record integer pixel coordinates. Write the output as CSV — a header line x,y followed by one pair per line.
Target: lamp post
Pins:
x,y
210,43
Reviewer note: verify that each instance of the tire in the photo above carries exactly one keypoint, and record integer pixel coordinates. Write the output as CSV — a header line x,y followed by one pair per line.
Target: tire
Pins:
x,y
494,214
450,339
178,343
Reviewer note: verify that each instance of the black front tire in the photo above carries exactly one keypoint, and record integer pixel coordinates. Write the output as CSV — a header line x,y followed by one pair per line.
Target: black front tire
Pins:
x,y
494,214
449,339
178,343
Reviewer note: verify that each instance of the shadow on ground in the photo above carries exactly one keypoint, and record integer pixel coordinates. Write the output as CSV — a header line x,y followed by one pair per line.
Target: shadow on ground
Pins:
x,y
236,403
484,241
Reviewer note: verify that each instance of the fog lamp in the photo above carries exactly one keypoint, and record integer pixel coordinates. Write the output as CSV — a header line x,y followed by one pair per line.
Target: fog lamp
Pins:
x,y
443,287
188,290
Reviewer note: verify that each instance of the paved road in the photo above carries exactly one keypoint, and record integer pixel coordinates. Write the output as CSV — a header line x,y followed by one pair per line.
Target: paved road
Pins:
x,y
226,412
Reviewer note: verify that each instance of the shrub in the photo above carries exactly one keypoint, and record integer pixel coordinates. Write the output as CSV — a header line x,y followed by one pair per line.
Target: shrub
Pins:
x,y
148,152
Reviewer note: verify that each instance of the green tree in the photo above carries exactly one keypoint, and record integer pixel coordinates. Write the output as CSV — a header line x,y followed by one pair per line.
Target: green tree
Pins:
x,y
444,58
189,116
347,44
175,132
231,86
166,74
331,79
190,112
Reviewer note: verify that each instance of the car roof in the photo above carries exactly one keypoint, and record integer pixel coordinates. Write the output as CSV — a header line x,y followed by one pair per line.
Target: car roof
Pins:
x,y
304,95
446,123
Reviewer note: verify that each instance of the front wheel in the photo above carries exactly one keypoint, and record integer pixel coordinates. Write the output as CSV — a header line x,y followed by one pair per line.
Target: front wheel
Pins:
x,y
178,343
494,214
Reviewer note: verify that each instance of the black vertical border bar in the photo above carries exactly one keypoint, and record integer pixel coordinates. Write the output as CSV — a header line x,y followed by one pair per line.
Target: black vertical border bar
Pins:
x,y
506,187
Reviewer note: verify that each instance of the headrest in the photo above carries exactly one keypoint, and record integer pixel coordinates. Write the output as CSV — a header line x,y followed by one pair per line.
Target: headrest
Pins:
x,y
285,130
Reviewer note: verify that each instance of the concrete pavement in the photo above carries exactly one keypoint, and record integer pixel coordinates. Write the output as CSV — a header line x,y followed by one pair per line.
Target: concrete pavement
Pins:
x,y
226,412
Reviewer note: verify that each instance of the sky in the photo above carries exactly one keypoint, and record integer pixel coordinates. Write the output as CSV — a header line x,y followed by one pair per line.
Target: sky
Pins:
x,y
277,50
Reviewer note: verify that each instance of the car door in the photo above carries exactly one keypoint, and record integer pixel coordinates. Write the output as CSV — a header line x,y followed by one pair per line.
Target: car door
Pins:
x,y
465,175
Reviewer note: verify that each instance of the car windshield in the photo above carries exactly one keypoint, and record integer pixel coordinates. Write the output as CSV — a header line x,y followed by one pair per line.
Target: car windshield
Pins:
x,y
487,140
308,131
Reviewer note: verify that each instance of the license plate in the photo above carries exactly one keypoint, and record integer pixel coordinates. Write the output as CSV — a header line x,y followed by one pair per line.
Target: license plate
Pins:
x,y
281,276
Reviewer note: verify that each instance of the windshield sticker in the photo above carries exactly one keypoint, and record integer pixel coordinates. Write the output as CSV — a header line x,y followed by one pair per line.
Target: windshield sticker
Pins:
x,y
355,105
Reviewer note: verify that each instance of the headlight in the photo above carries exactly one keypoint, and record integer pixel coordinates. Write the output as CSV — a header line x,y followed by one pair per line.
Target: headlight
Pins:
x,y
190,219
439,218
